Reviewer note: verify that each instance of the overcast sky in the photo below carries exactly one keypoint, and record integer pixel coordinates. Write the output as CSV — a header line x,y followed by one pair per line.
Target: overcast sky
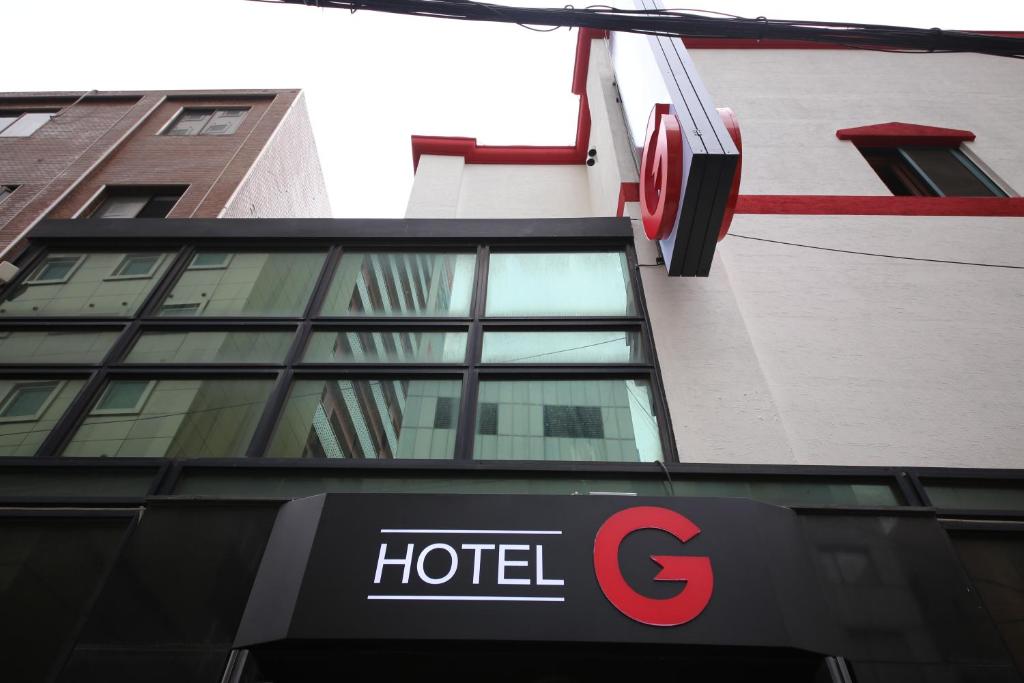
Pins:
x,y
371,80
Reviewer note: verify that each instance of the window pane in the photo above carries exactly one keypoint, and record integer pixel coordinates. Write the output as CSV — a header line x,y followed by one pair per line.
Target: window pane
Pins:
x,y
124,396
603,420
224,122
27,399
26,125
382,346
377,418
210,347
1004,494
88,291
181,418
618,346
563,284
210,259
21,437
402,284
121,206
272,284
6,120
946,169
6,190
55,269
189,122
159,205
137,265
54,346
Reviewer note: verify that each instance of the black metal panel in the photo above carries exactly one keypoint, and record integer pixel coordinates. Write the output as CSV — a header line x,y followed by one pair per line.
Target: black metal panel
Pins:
x,y
173,601
296,230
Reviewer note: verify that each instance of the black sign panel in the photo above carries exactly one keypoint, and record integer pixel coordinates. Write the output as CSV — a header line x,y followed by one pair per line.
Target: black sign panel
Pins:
x,y
571,569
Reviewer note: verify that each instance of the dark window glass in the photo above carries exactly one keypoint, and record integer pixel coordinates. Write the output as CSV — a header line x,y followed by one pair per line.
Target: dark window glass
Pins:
x,y
995,563
613,346
386,346
929,172
581,420
487,419
138,202
375,418
401,284
50,571
573,422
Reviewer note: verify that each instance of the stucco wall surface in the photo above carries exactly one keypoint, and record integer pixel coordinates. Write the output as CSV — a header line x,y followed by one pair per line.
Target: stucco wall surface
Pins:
x,y
790,103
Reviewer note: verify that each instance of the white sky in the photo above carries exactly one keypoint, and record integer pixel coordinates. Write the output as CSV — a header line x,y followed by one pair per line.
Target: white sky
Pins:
x,y
371,80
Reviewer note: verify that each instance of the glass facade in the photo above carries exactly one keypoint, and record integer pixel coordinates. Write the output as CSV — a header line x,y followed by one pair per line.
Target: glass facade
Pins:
x,y
570,284
211,347
81,285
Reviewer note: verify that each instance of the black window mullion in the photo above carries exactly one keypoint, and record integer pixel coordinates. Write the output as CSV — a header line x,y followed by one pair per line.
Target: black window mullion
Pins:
x,y
470,382
67,423
156,296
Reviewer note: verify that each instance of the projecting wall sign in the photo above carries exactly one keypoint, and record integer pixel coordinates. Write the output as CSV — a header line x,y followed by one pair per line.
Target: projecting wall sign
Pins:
x,y
351,567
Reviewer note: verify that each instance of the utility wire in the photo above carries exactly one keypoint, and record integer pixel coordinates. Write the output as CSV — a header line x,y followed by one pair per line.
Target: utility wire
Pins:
x,y
691,24
869,253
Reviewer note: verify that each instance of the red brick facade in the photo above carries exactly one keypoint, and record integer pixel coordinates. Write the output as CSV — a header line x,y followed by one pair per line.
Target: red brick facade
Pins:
x,y
108,139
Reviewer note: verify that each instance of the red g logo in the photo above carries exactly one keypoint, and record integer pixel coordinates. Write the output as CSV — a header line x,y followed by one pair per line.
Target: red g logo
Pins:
x,y
695,571
661,173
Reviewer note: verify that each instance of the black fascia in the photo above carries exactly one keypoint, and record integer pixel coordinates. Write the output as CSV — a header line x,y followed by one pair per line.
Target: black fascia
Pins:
x,y
615,231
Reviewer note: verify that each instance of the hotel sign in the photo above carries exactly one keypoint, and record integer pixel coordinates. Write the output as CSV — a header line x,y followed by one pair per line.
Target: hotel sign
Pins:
x,y
600,569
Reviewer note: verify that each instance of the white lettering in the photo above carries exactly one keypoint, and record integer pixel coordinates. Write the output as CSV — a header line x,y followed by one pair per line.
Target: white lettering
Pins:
x,y
423,558
382,560
503,563
541,581
477,548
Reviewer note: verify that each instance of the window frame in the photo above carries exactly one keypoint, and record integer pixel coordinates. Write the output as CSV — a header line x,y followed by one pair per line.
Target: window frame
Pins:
x,y
150,192
211,114
146,276
19,114
5,402
134,410
33,279
435,237
903,161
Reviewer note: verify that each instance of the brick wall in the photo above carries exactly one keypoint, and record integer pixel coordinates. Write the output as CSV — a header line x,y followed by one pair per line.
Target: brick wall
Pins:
x,y
286,180
114,139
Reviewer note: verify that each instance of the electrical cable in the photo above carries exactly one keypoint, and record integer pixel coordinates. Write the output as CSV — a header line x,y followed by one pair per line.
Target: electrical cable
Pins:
x,y
690,24
869,253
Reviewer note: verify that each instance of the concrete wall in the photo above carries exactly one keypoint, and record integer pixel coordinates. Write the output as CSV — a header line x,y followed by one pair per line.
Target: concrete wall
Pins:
x,y
789,354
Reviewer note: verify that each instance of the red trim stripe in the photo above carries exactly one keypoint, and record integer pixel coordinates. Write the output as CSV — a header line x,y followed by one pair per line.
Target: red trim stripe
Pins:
x,y
524,154
820,205
628,192
775,44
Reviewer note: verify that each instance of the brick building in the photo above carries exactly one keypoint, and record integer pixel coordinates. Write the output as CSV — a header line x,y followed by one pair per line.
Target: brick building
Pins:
x,y
198,154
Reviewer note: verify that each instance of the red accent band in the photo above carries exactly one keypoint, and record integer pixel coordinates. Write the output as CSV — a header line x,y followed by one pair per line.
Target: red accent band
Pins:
x,y
900,134
775,44
628,192
820,205
524,154
733,126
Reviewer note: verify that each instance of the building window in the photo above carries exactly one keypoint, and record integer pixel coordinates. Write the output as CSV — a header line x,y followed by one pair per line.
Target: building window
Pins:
x,y
22,124
207,122
80,284
929,172
136,266
6,191
56,269
472,352
123,397
137,202
26,401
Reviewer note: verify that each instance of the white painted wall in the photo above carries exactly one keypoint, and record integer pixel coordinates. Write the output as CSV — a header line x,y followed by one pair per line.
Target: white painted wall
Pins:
x,y
789,354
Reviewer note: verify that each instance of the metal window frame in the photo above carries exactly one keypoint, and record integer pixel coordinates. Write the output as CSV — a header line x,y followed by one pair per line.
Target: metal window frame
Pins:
x,y
181,240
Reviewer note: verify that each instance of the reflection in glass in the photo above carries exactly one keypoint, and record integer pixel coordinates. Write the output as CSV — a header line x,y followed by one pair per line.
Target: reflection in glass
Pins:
x,y
179,418
559,284
401,284
579,420
375,418
383,346
54,346
210,347
615,346
29,408
83,285
252,283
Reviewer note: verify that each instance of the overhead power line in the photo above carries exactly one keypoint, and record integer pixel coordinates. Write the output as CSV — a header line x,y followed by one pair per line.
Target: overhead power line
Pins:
x,y
693,24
